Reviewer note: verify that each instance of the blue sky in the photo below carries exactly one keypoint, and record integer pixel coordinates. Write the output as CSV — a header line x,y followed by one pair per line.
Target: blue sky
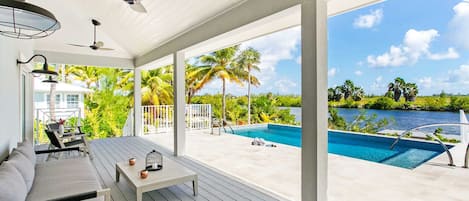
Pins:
x,y
422,41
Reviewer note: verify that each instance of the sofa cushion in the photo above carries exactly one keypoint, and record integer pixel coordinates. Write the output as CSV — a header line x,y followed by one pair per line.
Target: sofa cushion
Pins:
x,y
27,149
24,166
60,178
12,186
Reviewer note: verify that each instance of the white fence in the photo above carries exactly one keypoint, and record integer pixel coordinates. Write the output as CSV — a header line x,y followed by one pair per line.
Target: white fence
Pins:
x,y
159,118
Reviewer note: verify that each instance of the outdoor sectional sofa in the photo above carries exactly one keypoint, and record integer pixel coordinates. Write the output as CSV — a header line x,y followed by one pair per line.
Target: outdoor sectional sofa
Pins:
x,y
67,179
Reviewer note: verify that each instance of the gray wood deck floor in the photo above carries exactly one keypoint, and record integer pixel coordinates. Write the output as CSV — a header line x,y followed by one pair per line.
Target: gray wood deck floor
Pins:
x,y
212,184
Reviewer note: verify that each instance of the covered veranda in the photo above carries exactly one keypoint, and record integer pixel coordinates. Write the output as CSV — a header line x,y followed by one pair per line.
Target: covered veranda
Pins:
x,y
171,33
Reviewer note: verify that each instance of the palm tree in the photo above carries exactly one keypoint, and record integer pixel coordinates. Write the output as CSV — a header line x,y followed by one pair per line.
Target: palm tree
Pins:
x,y
157,86
65,72
220,64
248,60
347,89
358,94
410,92
87,74
330,94
396,88
337,93
194,75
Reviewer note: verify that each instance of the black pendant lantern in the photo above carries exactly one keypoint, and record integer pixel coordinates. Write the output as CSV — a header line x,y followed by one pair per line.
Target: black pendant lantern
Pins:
x,y
45,67
22,20
50,80
154,161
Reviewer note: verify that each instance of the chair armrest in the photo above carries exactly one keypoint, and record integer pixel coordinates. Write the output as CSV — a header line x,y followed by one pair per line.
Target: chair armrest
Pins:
x,y
65,135
87,195
70,136
58,150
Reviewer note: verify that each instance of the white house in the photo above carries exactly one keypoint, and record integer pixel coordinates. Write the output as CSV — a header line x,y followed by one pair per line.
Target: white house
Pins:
x,y
68,97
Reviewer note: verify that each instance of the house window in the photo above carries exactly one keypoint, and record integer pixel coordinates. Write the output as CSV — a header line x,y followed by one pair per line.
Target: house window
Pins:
x,y
57,100
38,97
72,101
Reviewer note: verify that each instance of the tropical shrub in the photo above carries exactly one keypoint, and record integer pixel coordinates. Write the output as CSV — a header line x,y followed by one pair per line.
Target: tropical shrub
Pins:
x,y
459,103
382,103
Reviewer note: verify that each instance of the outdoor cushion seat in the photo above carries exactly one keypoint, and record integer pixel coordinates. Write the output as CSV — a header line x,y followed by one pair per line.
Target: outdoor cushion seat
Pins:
x,y
61,178
22,179
12,186
24,166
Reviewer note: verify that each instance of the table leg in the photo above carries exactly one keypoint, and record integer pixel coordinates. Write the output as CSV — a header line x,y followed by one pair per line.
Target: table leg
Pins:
x,y
139,194
195,187
118,174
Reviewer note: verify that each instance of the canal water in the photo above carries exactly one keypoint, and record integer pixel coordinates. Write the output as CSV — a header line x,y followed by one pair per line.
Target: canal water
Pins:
x,y
404,119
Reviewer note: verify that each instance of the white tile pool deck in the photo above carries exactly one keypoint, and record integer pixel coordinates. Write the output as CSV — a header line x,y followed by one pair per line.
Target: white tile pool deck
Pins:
x,y
277,170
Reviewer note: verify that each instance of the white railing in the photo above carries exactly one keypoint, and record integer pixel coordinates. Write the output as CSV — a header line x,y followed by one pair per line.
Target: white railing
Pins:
x,y
159,118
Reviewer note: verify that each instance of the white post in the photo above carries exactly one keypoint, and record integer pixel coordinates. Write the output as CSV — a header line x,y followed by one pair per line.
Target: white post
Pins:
x,y
179,104
138,115
314,100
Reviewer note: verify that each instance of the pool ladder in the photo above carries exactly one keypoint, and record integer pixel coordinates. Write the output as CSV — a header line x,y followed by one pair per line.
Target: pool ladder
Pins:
x,y
220,124
450,157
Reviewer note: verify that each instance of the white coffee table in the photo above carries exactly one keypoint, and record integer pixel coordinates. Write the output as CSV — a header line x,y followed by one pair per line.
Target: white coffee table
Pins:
x,y
171,174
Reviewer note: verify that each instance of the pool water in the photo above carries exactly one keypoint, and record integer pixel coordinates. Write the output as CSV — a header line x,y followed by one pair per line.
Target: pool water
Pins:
x,y
406,154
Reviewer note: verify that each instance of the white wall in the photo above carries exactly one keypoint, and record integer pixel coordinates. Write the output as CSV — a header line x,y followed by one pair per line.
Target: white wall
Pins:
x,y
10,119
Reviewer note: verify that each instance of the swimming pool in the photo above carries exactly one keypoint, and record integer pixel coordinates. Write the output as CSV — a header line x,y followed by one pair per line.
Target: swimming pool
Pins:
x,y
407,154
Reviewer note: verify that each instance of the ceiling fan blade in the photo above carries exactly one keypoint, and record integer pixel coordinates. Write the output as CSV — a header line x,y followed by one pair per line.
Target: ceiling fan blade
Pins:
x,y
76,45
105,49
138,7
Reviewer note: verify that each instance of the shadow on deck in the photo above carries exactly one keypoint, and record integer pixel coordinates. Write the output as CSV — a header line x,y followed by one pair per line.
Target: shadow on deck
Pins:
x,y
212,184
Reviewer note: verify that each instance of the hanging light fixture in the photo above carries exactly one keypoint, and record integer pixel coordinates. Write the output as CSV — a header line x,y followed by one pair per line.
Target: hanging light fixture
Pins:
x,y
22,20
50,80
45,67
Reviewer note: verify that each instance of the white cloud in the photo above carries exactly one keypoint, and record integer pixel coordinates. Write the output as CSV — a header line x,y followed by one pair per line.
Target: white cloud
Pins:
x,y
425,82
415,45
395,57
379,78
358,73
458,26
459,75
332,72
454,81
298,60
378,87
369,20
451,54
285,86
274,48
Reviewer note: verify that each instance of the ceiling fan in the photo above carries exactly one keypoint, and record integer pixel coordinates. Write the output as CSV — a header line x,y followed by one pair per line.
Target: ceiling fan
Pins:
x,y
136,5
97,45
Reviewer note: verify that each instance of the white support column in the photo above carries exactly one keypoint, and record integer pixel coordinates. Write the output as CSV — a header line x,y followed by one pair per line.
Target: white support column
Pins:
x,y
314,100
138,129
179,104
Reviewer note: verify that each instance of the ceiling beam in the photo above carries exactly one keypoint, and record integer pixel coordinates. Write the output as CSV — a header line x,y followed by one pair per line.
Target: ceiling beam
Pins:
x,y
88,60
252,14
241,15
337,7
